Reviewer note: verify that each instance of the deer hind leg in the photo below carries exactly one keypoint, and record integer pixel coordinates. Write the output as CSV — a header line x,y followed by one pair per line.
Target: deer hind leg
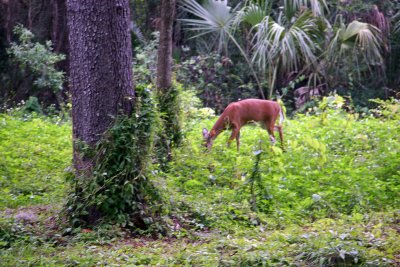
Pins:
x,y
270,128
279,128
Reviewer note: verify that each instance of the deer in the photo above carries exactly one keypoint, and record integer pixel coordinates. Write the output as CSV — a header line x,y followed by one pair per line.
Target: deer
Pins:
x,y
238,114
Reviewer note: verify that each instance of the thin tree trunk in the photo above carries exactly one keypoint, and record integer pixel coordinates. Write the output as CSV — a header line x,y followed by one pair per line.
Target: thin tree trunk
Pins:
x,y
59,38
59,33
100,69
167,94
164,64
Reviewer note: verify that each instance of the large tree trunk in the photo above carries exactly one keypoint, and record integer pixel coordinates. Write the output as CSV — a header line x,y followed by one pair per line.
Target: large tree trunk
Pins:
x,y
100,69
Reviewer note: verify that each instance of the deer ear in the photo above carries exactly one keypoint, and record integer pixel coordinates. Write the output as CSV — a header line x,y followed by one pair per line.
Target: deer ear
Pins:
x,y
205,133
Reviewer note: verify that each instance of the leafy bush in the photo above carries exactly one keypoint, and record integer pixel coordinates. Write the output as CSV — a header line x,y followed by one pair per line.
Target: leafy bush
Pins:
x,y
389,109
192,107
38,58
145,63
217,80
32,105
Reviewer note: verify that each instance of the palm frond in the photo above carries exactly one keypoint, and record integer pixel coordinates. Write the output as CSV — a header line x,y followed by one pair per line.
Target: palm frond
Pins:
x,y
137,32
317,7
218,19
396,22
290,46
215,17
357,39
253,12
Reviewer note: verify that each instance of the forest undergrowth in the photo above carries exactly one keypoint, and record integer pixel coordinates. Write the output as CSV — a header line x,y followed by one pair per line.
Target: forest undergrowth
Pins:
x,y
330,199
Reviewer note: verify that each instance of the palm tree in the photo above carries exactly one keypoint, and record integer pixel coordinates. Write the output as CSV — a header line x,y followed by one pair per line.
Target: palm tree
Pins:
x,y
284,47
295,38
218,20
356,39
277,44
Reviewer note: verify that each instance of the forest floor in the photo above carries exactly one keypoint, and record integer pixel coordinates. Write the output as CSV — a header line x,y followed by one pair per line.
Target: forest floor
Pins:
x,y
344,242
42,241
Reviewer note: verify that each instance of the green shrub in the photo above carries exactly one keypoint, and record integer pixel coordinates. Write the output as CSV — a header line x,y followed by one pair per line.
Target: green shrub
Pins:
x,y
389,109
32,105
37,58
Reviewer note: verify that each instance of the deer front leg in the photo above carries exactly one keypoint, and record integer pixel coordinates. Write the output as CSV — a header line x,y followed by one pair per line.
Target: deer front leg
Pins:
x,y
235,134
238,140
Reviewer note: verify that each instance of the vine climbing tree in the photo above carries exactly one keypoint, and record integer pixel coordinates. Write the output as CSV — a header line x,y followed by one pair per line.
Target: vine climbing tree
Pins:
x,y
112,129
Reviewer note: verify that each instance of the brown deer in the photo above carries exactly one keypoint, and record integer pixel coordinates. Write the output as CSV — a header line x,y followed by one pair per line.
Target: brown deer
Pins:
x,y
242,112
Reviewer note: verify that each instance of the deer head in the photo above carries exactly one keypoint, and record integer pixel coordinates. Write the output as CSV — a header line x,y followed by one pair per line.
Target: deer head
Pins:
x,y
208,138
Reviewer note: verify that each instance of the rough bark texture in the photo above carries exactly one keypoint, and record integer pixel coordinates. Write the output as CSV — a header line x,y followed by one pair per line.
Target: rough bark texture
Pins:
x,y
164,64
100,68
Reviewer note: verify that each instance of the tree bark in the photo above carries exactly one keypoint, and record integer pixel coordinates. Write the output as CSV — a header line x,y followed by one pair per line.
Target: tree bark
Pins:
x,y
164,64
167,95
59,32
100,69
59,38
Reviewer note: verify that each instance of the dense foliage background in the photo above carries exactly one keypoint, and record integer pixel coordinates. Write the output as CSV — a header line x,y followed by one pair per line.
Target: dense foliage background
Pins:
x,y
355,59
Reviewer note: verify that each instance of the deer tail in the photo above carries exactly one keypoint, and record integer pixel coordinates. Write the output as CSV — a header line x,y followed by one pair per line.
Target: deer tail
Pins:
x,y
281,116
281,111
